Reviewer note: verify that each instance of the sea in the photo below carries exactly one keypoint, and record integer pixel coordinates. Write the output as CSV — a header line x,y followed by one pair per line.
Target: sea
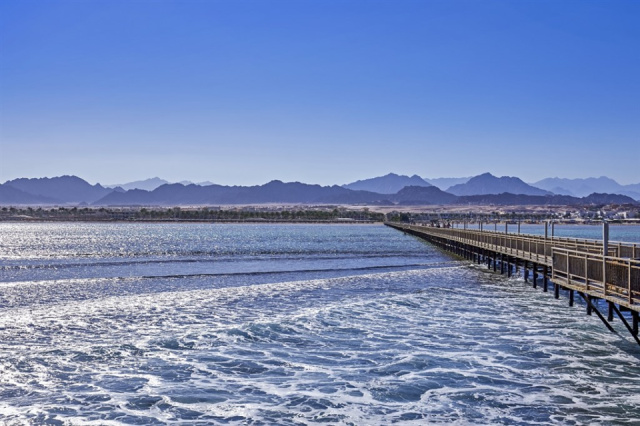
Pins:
x,y
292,324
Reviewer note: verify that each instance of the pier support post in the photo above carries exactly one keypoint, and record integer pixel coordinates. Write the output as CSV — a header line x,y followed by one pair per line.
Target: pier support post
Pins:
x,y
535,275
610,315
592,307
545,279
526,272
626,324
556,291
634,316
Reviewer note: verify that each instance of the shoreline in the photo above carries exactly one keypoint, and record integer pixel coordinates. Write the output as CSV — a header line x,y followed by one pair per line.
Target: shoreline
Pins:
x,y
301,222
254,222
320,214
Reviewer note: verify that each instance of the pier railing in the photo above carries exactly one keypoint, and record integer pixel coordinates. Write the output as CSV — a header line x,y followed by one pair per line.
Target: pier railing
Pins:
x,y
577,265
610,276
537,247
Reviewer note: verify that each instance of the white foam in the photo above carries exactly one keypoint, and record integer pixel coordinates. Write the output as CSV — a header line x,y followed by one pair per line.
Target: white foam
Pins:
x,y
447,344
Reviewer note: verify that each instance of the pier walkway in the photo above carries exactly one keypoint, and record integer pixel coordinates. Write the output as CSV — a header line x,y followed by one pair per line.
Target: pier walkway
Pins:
x,y
575,265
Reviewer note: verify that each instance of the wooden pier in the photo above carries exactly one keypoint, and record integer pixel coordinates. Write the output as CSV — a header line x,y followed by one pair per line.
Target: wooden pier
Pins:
x,y
595,269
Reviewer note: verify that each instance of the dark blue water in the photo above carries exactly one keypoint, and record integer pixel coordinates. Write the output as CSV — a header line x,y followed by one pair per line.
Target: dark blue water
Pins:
x,y
289,324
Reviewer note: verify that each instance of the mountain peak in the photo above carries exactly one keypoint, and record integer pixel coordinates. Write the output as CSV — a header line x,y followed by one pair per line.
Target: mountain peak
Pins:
x,y
66,189
487,183
146,184
582,187
390,183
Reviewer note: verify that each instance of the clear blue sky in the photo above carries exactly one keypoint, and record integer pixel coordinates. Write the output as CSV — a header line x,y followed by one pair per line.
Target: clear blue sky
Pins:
x,y
328,92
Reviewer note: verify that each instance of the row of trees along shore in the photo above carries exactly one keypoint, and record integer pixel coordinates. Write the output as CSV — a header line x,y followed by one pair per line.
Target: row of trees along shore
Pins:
x,y
256,214
191,214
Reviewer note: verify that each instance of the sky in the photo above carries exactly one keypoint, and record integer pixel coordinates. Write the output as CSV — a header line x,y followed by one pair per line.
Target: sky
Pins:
x,y
241,92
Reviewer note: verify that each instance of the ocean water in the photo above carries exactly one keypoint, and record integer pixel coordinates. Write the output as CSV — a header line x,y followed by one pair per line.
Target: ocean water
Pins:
x,y
289,324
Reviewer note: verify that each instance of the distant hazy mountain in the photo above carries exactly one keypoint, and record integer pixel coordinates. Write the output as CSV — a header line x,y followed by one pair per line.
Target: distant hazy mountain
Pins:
x,y
579,187
272,192
489,184
64,189
146,184
388,184
633,187
584,187
444,183
153,183
14,196
188,182
561,191
418,195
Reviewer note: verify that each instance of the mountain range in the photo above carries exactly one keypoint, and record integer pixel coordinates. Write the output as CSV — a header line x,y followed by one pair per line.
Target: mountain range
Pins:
x,y
392,183
146,184
388,184
390,189
583,187
62,190
488,184
151,184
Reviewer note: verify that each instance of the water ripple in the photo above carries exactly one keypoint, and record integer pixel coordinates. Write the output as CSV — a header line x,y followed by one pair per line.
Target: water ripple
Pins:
x,y
438,342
